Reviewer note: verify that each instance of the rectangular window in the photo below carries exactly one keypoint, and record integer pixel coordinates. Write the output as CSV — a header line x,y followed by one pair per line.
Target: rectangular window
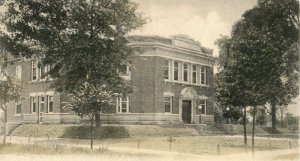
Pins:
x,y
125,72
48,68
19,72
44,71
167,70
185,72
34,70
203,75
50,103
168,104
175,75
202,104
122,104
194,75
18,107
42,104
33,104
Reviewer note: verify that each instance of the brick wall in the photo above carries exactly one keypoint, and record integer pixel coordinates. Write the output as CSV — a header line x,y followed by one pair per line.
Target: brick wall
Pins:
x,y
143,82
147,79
30,87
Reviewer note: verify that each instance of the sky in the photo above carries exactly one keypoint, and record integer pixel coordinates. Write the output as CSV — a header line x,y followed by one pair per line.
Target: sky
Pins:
x,y
202,20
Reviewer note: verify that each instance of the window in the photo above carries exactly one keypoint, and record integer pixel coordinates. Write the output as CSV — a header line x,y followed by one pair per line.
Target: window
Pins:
x,y
185,72
125,72
194,75
203,75
122,104
168,104
41,72
50,103
44,72
19,72
175,75
18,107
34,70
167,70
33,104
201,103
42,104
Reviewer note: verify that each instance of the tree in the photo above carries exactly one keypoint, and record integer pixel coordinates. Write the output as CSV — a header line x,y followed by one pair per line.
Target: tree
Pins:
x,y
229,84
10,89
277,23
88,100
232,114
292,122
79,38
261,117
257,69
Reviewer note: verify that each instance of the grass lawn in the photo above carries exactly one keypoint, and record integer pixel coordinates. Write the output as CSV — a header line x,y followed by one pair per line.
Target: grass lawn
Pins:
x,y
194,144
152,137
50,150
293,156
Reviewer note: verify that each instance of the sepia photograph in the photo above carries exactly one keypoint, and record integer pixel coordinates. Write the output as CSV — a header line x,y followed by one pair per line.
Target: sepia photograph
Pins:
x,y
149,80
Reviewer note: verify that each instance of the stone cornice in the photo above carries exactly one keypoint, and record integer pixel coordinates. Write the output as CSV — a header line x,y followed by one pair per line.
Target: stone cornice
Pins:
x,y
172,48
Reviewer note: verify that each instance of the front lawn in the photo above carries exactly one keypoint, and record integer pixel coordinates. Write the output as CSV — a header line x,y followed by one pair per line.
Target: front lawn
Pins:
x,y
192,144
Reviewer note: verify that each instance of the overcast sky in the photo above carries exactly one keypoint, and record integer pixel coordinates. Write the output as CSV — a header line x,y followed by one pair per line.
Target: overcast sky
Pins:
x,y
202,20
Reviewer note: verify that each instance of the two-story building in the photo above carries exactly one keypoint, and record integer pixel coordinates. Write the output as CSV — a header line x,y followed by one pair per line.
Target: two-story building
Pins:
x,y
172,80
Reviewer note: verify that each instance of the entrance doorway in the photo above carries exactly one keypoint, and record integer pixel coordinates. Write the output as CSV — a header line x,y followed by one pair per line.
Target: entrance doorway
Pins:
x,y
186,111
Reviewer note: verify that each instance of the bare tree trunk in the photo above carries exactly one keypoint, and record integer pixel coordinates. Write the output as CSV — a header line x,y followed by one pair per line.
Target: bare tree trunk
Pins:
x,y
97,119
5,126
245,129
273,115
253,129
92,137
281,115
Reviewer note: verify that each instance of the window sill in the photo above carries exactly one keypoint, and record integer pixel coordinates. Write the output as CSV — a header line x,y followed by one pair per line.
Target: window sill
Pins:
x,y
18,114
128,78
202,115
40,80
186,83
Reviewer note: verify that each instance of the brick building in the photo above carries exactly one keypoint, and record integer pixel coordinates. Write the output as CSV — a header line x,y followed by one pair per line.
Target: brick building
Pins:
x,y
172,80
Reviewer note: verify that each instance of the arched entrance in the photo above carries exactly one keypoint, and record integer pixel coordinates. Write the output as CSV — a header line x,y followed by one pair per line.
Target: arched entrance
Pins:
x,y
186,105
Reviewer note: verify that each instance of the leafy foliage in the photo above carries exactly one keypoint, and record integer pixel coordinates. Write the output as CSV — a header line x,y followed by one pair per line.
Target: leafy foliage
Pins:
x,y
88,100
292,122
84,40
80,38
10,88
259,63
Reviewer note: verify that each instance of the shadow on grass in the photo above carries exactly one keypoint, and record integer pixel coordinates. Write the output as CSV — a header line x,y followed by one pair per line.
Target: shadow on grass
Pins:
x,y
257,147
83,132
272,131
